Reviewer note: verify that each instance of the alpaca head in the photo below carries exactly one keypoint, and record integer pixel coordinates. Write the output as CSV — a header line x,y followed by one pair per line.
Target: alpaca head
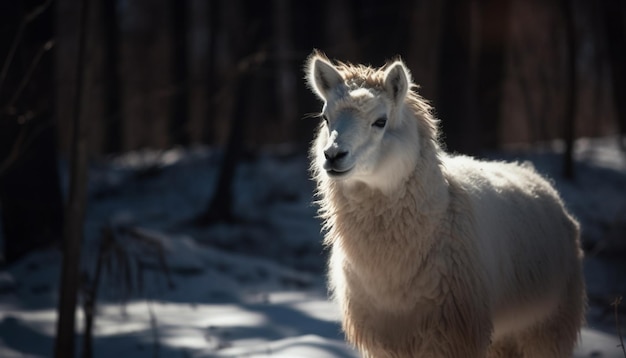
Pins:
x,y
368,134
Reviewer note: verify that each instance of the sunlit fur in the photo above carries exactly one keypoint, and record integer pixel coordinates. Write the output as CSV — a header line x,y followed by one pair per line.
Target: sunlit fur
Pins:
x,y
434,255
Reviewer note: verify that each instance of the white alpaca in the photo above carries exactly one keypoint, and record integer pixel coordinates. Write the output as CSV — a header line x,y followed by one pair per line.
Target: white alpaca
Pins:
x,y
434,255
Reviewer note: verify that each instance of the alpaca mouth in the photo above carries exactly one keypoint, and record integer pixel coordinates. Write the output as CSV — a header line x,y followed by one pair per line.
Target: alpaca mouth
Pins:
x,y
336,168
336,173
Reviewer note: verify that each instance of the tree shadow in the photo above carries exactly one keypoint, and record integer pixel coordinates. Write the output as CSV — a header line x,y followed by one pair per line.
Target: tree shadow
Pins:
x,y
22,338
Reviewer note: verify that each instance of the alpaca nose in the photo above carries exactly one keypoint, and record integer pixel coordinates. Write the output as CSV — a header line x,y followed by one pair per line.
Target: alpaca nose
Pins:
x,y
334,155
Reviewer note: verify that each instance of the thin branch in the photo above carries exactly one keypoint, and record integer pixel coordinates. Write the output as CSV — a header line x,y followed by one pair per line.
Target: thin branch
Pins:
x,y
29,74
90,292
22,141
28,18
154,325
616,304
7,62
14,154
37,11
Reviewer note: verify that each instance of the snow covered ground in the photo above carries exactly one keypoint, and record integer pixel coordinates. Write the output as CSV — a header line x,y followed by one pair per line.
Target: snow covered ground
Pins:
x,y
256,287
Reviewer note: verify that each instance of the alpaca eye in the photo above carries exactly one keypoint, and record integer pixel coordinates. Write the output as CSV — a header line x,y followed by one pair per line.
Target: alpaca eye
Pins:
x,y
380,122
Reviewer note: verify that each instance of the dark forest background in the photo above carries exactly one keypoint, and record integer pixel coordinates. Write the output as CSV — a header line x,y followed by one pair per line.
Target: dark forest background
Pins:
x,y
228,74
81,80
161,73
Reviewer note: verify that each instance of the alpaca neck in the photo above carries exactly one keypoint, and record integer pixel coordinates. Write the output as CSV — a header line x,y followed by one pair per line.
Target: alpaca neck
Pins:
x,y
359,211
397,231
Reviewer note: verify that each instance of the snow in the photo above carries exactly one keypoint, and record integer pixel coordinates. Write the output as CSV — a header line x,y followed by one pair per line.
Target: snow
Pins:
x,y
256,287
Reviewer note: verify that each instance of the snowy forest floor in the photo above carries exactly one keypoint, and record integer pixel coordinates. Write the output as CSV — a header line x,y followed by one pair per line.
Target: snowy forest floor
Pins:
x,y
255,287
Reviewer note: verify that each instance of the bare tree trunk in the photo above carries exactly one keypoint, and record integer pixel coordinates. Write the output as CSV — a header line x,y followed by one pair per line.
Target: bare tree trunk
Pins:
x,y
179,118
571,90
424,65
112,106
75,210
454,89
198,44
211,75
341,29
536,59
285,77
146,70
220,206
494,37
615,18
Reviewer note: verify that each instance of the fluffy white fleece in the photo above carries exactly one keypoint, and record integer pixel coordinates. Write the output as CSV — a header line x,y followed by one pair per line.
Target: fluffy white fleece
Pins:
x,y
434,255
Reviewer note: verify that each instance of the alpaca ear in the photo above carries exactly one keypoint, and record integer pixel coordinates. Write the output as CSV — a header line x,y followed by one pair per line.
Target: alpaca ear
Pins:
x,y
397,81
322,76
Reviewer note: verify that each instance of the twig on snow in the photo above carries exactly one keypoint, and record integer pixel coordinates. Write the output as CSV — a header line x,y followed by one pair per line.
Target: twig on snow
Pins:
x,y
615,304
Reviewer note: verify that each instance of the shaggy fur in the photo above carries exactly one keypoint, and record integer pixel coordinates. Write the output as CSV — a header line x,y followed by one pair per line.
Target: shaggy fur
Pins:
x,y
434,255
